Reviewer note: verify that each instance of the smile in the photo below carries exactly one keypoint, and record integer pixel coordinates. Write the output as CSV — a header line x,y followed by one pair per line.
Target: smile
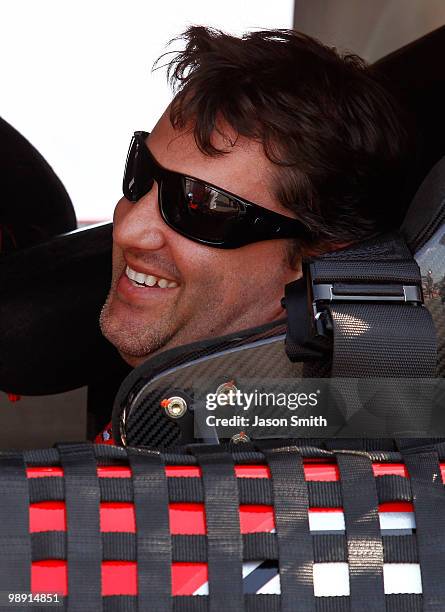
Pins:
x,y
139,279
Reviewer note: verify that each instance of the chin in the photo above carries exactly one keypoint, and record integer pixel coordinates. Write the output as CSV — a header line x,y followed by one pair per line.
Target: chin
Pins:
x,y
132,360
128,337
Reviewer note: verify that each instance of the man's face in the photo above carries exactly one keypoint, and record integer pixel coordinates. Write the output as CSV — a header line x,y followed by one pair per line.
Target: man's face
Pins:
x,y
209,291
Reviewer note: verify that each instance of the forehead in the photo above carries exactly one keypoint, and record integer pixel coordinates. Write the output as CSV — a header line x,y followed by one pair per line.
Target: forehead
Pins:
x,y
243,169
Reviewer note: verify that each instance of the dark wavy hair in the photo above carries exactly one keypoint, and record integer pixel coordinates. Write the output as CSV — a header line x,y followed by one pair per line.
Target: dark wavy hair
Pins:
x,y
324,119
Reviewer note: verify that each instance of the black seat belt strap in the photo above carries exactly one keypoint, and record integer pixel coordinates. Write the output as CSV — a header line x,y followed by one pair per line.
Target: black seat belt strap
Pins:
x,y
291,508
84,540
363,535
224,541
429,507
15,540
382,340
153,539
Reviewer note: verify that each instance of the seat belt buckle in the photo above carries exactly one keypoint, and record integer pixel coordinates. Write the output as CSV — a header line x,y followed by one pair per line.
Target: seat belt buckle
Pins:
x,y
322,295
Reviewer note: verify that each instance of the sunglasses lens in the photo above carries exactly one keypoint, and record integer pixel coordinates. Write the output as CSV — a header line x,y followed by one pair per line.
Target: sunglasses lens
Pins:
x,y
199,211
138,179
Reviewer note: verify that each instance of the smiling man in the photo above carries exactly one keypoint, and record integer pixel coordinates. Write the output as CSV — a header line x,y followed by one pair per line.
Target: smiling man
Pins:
x,y
169,289
273,147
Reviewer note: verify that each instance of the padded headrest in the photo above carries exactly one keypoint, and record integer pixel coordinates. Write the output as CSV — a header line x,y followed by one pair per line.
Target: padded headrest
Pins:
x,y
34,204
426,213
50,300
424,231
416,76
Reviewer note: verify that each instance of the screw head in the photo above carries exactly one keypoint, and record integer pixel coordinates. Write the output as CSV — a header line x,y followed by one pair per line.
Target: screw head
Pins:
x,y
239,438
226,387
175,407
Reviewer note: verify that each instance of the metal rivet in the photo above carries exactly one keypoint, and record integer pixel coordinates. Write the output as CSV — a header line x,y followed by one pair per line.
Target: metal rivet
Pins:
x,y
240,437
226,387
175,407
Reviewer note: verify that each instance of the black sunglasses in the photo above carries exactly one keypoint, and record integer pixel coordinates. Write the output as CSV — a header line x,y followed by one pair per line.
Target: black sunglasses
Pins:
x,y
200,211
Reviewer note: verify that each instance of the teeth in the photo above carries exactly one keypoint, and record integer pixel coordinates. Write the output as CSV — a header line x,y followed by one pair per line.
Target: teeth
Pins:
x,y
148,279
130,273
140,278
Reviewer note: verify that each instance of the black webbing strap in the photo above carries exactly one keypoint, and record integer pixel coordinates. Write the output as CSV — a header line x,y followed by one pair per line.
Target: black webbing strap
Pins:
x,y
15,540
363,536
429,507
266,603
291,506
251,490
153,543
225,547
380,344
84,540
383,340
328,548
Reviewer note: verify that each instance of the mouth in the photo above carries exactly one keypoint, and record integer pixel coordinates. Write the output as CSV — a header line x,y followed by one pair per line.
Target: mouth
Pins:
x,y
139,279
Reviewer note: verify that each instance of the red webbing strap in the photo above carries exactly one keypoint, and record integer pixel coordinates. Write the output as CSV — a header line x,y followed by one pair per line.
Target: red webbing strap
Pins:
x,y
84,540
363,535
224,541
291,506
153,538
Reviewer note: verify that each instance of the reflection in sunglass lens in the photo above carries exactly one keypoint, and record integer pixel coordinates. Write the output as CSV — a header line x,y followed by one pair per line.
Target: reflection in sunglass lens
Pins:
x,y
209,201
196,209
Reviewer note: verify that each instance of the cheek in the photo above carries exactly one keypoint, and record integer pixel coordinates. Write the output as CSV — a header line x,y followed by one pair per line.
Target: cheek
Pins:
x,y
197,262
262,270
240,274
266,259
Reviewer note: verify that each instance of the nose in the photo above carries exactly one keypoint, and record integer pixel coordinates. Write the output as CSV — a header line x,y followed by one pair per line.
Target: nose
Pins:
x,y
139,225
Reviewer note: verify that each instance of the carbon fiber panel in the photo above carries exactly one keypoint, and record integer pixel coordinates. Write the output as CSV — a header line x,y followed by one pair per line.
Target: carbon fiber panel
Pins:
x,y
146,421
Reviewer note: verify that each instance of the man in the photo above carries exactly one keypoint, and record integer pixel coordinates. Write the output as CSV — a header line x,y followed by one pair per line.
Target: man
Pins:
x,y
275,119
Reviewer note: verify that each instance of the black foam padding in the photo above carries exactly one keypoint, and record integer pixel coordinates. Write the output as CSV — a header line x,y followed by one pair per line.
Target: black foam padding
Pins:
x,y
34,205
427,210
415,75
50,300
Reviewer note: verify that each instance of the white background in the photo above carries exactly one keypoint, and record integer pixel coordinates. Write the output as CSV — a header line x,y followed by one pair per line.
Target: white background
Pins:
x,y
76,81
